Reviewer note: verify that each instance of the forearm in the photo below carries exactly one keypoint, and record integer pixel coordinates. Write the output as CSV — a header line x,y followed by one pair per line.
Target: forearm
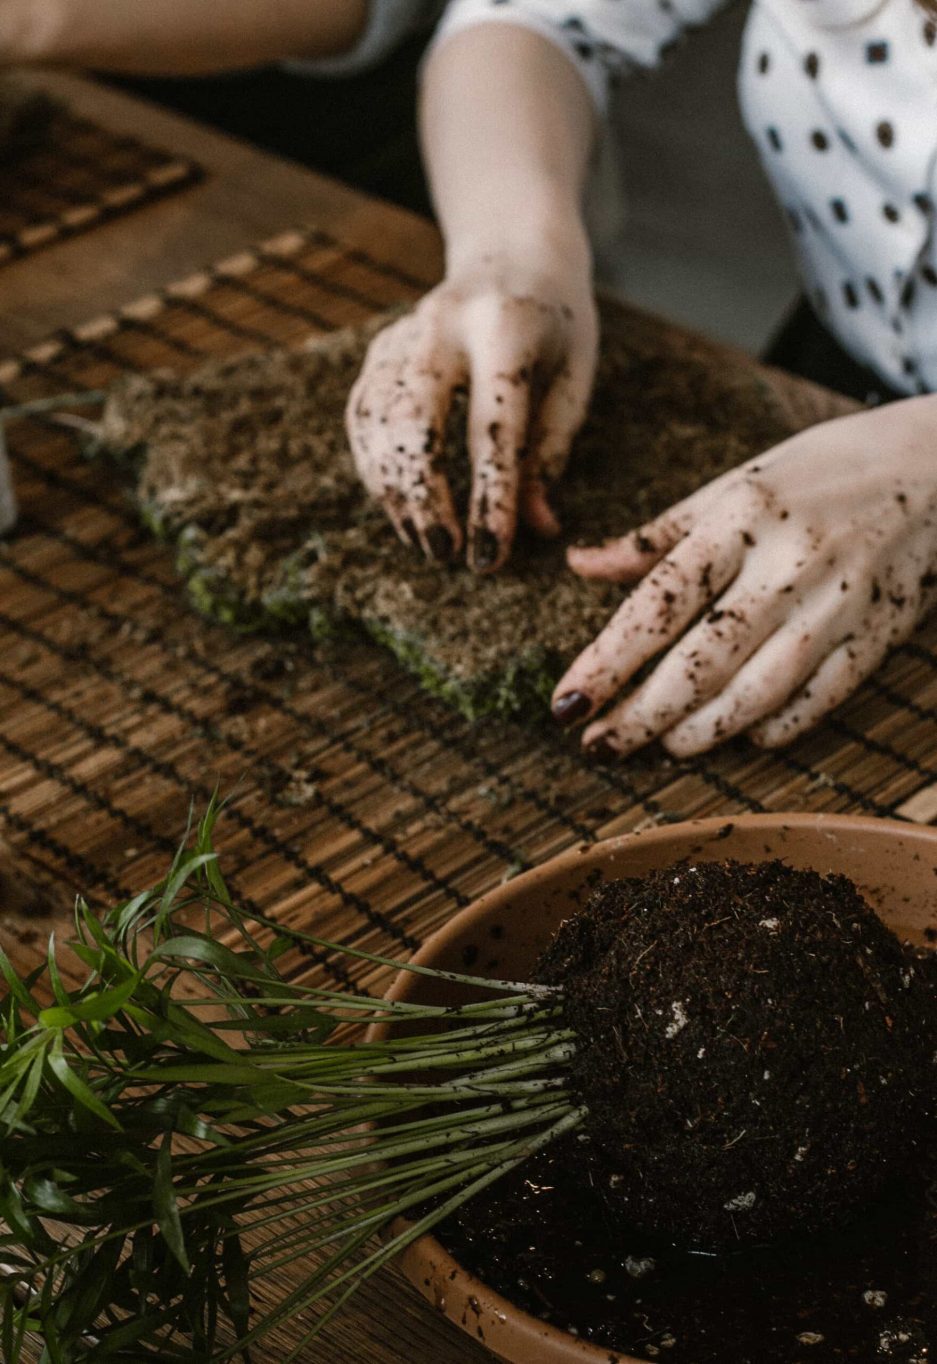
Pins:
x,y
507,127
176,37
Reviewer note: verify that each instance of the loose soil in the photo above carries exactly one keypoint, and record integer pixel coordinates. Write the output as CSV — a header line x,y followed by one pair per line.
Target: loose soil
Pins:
x,y
754,1046
546,1240
245,466
757,1051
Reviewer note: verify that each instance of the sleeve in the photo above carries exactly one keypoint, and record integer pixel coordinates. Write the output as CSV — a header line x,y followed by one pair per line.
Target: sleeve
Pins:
x,y
603,38
388,23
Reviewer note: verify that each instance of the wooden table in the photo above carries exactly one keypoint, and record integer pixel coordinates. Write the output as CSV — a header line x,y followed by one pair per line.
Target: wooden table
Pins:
x,y
247,194
115,706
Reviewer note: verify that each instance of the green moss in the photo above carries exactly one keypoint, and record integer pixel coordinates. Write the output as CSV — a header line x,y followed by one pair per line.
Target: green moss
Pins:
x,y
524,686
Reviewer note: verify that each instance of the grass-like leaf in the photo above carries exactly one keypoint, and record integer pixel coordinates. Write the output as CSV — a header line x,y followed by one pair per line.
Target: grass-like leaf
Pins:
x,y
185,1126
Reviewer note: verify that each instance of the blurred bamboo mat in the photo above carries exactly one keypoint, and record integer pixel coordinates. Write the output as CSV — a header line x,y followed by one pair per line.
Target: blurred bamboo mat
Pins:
x,y
76,176
357,804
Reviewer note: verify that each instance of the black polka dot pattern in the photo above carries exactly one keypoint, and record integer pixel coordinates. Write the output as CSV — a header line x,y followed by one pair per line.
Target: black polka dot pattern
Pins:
x,y
840,97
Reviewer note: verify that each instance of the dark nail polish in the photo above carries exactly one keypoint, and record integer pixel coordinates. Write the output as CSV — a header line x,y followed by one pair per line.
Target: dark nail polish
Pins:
x,y
485,548
440,543
601,751
571,706
410,531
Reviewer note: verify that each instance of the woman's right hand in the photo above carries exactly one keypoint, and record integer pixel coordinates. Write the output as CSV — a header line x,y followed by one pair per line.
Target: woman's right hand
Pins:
x,y
522,337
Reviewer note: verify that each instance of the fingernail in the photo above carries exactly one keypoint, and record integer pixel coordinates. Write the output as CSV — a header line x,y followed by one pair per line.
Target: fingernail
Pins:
x,y
573,705
440,543
410,531
601,751
485,548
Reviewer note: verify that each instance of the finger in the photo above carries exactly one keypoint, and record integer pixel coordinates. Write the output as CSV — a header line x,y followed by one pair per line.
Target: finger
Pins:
x,y
558,419
763,683
631,556
835,679
499,413
652,617
699,666
397,419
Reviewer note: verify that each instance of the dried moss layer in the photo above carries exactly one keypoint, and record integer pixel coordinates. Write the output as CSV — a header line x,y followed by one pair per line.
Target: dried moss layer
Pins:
x,y
755,1048
245,466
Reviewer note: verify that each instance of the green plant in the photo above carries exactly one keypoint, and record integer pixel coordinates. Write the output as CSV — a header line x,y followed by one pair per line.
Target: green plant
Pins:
x,y
186,1122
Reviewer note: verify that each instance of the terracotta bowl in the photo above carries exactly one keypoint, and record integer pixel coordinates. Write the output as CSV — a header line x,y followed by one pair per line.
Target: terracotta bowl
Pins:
x,y
501,935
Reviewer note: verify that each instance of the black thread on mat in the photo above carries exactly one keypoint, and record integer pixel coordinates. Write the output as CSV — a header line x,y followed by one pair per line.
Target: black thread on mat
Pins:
x,y
612,782
57,773
277,305
723,785
87,873
288,265
919,651
901,702
842,788
165,338
219,321
387,844
104,212
319,728
377,764
351,899
317,236
882,748
168,771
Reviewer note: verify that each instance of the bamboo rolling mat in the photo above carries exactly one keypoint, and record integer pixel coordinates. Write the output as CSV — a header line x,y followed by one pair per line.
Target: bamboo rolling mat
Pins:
x,y
76,177
358,805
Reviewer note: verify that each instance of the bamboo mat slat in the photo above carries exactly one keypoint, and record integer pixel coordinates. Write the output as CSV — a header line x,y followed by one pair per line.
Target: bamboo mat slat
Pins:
x,y
79,176
357,804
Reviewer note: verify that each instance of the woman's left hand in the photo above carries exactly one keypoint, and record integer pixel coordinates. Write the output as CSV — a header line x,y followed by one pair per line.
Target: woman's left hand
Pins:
x,y
776,589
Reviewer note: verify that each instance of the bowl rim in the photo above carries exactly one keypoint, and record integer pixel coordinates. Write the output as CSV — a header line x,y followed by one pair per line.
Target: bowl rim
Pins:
x,y
485,1302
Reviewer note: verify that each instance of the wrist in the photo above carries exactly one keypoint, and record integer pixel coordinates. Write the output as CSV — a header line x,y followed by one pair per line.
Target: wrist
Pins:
x,y
537,242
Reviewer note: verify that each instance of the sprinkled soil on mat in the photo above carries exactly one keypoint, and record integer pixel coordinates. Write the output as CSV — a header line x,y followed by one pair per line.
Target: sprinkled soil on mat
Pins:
x,y
754,1184
245,466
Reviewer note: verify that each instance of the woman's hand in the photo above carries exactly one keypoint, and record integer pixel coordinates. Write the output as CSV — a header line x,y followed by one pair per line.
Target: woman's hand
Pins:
x,y
776,589
521,335
507,129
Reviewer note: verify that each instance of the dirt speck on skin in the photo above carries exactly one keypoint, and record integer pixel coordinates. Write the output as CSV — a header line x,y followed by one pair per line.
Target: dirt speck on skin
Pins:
x,y
245,466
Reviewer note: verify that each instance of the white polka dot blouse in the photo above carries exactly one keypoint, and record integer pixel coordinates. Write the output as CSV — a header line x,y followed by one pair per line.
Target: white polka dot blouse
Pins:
x,y
840,97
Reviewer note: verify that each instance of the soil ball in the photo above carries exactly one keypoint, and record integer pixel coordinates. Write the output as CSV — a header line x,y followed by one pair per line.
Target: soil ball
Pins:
x,y
755,1048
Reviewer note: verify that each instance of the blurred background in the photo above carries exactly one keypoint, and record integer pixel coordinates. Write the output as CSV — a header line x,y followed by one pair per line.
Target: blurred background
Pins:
x,y
704,242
